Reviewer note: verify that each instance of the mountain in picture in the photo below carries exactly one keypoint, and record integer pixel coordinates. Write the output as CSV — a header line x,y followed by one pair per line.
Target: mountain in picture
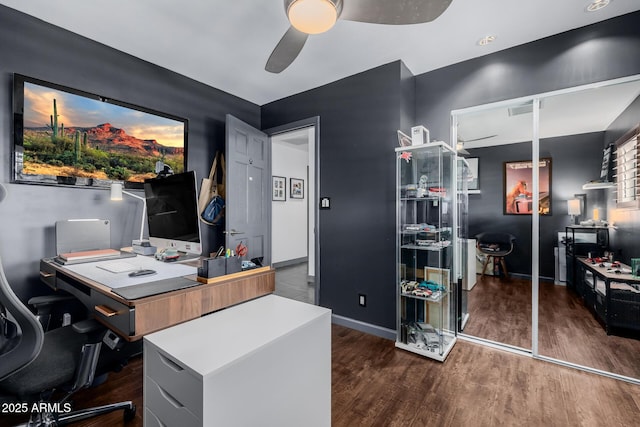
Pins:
x,y
102,151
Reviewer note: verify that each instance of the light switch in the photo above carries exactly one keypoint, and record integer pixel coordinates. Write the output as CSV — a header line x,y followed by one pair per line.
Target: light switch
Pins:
x,y
325,203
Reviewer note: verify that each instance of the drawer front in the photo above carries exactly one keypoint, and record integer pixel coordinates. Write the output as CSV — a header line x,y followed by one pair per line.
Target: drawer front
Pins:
x,y
114,313
625,313
166,408
174,379
151,420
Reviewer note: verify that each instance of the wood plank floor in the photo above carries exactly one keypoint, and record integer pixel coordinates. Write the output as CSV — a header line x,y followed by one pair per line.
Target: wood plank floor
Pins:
x,y
375,384
500,310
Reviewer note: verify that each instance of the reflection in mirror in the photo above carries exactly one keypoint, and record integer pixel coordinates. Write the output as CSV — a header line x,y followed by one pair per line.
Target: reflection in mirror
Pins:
x,y
499,221
587,301
589,314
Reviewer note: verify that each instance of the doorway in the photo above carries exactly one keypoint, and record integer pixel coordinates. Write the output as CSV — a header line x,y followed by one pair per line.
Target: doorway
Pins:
x,y
294,174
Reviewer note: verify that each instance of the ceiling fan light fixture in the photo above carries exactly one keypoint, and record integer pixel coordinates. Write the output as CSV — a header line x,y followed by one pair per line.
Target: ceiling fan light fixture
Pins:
x,y
312,16
597,5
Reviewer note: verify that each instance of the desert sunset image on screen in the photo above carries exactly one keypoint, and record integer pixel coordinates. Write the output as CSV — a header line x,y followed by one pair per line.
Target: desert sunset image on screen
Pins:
x,y
75,136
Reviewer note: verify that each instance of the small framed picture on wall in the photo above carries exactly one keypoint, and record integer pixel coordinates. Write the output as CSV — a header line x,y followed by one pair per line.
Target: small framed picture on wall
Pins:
x,y
297,188
279,193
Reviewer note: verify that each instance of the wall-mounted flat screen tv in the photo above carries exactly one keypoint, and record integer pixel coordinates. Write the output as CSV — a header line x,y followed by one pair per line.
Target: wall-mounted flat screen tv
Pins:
x,y
64,136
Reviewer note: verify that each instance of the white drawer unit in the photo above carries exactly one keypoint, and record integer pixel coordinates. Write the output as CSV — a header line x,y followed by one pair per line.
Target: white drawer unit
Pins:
x,y
265,362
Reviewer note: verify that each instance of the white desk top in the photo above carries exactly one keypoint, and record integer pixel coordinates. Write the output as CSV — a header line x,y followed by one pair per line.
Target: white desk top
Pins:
x,y
99,271
209,343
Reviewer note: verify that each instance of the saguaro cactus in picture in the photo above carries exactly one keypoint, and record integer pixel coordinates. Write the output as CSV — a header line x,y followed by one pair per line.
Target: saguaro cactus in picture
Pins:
x,y
77,150
56,131
54,121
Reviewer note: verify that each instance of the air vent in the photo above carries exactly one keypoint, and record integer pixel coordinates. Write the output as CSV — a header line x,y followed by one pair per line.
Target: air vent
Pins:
x,y
523,109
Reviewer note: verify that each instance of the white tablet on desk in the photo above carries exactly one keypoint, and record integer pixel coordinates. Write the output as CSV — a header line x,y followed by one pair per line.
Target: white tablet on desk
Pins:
x,y
75,235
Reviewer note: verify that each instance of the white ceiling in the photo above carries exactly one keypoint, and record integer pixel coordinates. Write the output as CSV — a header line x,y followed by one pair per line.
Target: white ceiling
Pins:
x,y
225,44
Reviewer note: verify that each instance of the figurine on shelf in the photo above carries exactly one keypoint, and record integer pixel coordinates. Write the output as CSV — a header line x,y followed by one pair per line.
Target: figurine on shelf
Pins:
x,y
422,186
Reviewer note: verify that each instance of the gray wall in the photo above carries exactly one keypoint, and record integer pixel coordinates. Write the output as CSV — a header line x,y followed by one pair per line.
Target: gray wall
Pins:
x,y
359,117
599,52
357,136
31,47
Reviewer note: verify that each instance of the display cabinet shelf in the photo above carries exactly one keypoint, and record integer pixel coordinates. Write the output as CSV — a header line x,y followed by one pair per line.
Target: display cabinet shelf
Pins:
x,y
424,248
439,352
432,298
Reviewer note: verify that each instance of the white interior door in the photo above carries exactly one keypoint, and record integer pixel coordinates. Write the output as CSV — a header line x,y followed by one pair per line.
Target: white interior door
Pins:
x,y
248,215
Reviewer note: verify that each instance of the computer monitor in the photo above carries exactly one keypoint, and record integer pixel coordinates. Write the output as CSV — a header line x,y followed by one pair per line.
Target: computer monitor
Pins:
x,y
172,212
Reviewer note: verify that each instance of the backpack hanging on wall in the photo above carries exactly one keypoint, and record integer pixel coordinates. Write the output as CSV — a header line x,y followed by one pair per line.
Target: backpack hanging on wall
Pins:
x,y
212,193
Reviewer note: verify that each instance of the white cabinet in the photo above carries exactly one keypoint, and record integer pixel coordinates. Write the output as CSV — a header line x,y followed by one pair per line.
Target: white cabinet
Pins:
x,y
469,279
265,362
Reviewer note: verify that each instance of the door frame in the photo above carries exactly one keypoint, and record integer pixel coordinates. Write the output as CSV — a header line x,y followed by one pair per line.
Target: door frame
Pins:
x,y
300,124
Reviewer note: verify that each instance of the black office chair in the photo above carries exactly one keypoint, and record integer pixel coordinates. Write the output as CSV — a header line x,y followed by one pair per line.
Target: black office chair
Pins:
x,y
35,364
495,246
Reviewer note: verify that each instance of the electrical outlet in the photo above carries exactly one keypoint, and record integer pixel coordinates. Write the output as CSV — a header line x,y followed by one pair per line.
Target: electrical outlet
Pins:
x,y
362,300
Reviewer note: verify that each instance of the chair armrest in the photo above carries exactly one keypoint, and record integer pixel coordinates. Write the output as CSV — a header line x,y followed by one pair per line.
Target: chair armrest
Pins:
x,y
45,305
44,301
87,326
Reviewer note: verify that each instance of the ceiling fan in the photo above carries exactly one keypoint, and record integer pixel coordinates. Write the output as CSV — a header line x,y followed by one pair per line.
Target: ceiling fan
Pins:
x,y
317,16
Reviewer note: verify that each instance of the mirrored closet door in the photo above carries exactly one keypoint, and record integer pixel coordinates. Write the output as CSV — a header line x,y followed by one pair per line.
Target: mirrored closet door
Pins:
x,y
496,142
589,315
546,174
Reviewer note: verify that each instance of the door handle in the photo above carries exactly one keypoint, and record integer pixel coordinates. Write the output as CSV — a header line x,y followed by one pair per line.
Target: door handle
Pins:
x,y
233,232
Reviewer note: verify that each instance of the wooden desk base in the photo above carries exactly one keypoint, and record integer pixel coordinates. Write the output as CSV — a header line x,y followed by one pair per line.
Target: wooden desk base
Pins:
x,y
132,319
169,309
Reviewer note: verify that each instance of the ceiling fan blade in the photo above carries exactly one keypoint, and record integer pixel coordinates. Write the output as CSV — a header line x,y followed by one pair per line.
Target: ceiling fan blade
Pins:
x,y
480,139
286,50
397,12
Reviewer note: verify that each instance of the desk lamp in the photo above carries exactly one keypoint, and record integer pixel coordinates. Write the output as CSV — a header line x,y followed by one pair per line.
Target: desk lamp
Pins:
x,y
116,194
574,209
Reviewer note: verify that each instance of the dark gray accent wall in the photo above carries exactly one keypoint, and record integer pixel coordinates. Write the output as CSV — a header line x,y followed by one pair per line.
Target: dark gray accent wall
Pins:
x,y
359,117
629,118
574,160
34,48
598,52
358,122
604,51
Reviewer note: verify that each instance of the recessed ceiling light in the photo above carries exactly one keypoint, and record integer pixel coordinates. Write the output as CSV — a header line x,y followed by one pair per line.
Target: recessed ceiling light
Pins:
x,y
486,40
597,5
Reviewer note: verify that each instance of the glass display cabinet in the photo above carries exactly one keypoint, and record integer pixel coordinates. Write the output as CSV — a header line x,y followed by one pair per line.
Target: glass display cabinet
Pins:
x,y
427,217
